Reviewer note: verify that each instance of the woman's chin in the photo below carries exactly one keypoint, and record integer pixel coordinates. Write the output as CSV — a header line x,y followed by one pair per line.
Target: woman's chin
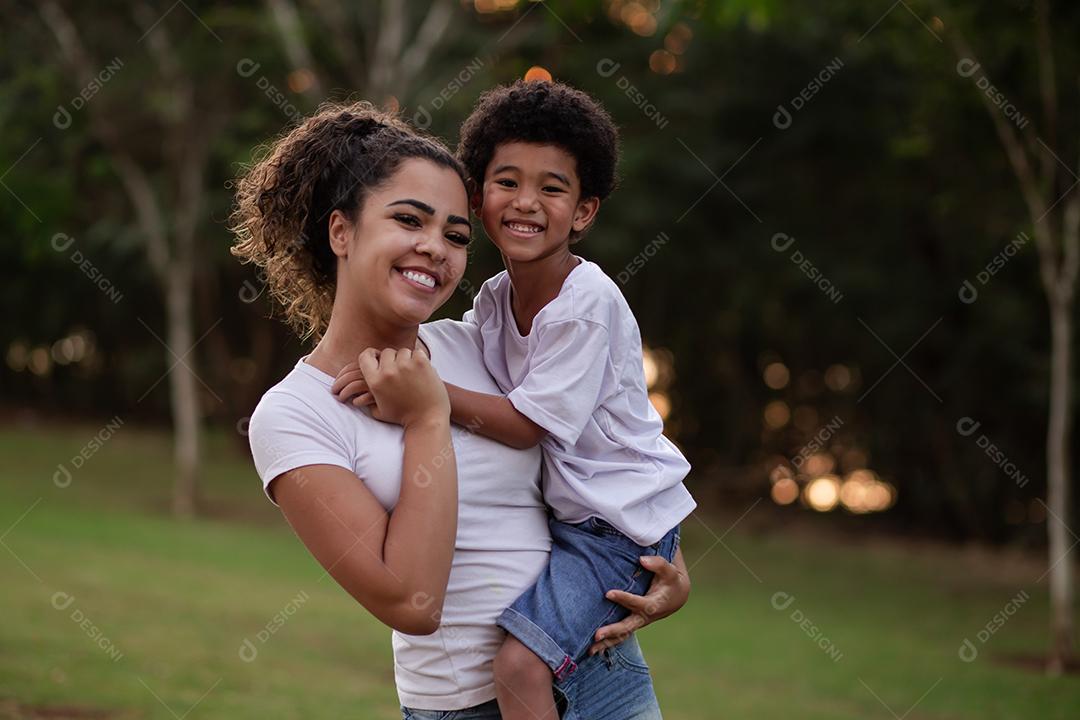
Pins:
x,y
416,310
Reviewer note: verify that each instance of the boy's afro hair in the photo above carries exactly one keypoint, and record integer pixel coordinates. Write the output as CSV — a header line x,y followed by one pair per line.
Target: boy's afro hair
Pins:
x,y
548,113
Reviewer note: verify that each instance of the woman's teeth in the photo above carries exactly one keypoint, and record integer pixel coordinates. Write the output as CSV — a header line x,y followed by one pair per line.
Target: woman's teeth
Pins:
x,y
421,278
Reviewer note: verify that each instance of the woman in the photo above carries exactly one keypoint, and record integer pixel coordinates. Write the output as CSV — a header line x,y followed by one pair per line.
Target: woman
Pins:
x,y
361,225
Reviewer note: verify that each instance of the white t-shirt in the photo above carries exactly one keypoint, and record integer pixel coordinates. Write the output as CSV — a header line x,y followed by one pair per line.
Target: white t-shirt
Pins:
x,y
502,537
578,374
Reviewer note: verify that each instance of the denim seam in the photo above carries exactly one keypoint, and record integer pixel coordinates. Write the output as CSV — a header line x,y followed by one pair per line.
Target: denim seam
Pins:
x,y
541,630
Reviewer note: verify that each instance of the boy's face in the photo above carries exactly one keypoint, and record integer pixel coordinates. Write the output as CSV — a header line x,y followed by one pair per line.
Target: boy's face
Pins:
x,y
531,200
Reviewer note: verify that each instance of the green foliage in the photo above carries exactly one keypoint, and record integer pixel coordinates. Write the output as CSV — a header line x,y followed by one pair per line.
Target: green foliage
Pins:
x,y
890,178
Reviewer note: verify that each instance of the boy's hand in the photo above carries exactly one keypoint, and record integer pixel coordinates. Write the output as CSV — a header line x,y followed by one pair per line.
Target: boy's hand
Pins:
x,y
668,592
403,386
350,386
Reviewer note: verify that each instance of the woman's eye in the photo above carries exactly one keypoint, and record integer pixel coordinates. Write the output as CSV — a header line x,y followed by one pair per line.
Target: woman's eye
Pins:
x,y
458,238
410,220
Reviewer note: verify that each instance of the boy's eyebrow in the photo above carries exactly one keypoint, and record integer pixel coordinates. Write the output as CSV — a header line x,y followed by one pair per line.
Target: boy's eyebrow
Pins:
x,y
428,210
558,176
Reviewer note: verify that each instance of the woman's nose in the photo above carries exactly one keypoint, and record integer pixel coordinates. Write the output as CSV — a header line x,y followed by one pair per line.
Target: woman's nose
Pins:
x,y
432,244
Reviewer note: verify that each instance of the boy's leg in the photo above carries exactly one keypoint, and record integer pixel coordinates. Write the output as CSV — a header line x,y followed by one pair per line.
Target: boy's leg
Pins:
x,y
523,683
551,624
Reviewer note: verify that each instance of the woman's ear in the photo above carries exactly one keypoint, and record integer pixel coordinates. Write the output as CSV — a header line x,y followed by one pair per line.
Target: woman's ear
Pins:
x,y
585,213
340,233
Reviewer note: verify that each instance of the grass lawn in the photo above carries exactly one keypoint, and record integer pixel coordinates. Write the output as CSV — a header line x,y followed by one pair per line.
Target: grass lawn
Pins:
x,y
112,609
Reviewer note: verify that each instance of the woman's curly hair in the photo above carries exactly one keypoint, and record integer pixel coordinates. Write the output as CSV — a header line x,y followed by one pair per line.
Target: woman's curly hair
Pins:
x,y
331,161
549,113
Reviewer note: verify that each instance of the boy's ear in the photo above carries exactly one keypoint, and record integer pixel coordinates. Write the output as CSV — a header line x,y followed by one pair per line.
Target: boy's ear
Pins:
x,y
585,213
476,195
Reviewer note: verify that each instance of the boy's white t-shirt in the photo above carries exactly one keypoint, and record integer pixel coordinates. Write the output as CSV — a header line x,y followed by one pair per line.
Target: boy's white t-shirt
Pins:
x,y
503,539
578,374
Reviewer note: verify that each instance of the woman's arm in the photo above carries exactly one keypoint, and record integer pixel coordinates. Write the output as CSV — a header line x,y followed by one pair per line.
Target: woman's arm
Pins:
x,y
395,564
669,591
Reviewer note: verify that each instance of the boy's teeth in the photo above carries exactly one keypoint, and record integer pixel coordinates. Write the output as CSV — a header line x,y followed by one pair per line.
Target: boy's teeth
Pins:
x,y
524,228
420,278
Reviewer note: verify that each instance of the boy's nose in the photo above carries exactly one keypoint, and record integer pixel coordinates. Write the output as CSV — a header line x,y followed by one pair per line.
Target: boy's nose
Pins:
x,y
525,202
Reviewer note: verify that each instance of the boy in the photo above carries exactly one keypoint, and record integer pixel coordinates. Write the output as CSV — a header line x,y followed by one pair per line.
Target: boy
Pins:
x,y
561,342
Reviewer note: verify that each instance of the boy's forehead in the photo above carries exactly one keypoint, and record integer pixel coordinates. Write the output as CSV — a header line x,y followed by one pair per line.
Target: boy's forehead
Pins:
x,y
529,157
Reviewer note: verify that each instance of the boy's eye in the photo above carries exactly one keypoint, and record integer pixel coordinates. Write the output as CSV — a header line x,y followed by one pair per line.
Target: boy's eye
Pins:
x,y
458,238
408,219
506,183
553,189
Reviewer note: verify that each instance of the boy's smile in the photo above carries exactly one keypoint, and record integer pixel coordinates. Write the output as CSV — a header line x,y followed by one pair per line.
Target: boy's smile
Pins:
x,y
530,201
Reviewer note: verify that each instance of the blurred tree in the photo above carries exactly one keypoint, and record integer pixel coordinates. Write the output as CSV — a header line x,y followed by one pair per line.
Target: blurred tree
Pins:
x,y
1046,184
166,186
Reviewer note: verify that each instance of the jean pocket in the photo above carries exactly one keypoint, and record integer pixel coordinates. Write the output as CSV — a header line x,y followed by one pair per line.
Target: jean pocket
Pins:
x,y
599,526
628,655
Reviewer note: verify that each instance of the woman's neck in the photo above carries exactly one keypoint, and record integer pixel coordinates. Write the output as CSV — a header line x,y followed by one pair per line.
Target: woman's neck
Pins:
x,y
344,340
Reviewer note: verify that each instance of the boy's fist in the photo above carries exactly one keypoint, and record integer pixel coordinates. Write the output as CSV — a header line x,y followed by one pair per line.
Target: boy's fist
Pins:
x,y
350,386
401,386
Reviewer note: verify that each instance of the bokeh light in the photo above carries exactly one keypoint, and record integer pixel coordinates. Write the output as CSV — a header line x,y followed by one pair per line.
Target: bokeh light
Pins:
x,y
537,74
776,375
823,493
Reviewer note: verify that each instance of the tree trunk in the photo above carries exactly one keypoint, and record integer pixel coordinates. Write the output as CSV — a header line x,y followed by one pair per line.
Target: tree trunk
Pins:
x,y
1057,437
185,396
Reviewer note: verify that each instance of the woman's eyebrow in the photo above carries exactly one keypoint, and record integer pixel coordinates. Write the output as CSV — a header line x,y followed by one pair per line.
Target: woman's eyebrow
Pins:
x,y
458,220
428,210
421,206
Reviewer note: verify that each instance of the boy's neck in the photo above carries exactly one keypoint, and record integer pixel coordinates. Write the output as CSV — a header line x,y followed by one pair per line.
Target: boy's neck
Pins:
x,y
536,283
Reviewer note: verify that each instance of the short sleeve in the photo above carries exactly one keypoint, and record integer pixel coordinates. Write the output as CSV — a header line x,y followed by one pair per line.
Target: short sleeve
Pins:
x,y
285,433
564,384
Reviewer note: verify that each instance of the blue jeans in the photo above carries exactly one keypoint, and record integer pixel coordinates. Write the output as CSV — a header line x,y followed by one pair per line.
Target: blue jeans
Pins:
x,y
557,617
613,685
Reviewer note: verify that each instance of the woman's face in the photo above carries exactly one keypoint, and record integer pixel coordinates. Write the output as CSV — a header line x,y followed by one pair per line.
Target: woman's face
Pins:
x,y
405,254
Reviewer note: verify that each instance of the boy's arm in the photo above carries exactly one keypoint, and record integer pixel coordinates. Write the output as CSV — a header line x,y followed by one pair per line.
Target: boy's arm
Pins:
x,y
493,416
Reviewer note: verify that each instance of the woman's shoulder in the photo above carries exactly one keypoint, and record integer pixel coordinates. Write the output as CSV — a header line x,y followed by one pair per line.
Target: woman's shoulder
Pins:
x,y
303,396
454,334
457,352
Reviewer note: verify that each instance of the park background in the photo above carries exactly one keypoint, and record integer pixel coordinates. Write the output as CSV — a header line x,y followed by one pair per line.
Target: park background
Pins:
x,y
848,231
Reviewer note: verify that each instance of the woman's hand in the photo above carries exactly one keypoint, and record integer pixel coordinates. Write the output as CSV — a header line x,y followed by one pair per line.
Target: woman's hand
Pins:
x,y
668,592
404,387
